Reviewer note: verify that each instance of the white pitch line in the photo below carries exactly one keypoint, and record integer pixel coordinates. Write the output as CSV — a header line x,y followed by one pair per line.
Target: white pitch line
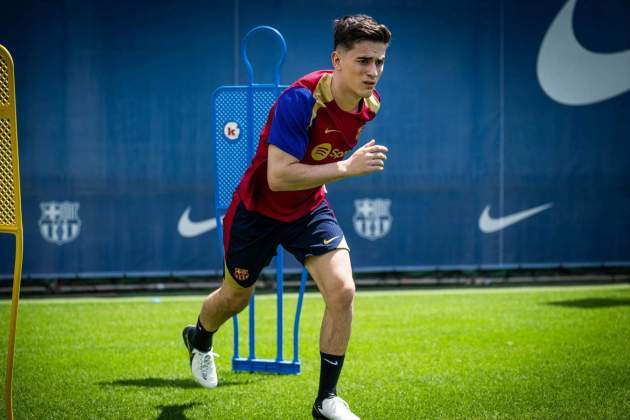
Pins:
x,y
312,295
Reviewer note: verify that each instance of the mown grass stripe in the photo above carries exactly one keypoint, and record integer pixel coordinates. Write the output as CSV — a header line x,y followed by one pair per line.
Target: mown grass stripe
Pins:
x,y
310,295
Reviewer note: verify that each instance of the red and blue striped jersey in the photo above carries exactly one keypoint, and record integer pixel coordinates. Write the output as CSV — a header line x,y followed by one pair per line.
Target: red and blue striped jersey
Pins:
x,y
306,122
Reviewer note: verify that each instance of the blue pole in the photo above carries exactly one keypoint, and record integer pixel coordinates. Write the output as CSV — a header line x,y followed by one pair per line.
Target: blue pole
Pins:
x,y
235,324
252,337
298,311
279,293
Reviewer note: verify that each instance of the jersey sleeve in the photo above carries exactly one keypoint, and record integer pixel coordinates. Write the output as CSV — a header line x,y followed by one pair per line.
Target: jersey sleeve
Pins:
x,y
289,127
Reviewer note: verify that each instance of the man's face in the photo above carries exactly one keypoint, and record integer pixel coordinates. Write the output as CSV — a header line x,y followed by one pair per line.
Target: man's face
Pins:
x,y
360,67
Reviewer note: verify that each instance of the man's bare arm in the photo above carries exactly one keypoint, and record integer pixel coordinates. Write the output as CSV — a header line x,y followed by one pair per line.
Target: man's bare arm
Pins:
x,y
286,173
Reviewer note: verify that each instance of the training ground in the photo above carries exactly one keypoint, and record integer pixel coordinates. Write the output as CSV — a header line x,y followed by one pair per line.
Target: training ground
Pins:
x,y
539,352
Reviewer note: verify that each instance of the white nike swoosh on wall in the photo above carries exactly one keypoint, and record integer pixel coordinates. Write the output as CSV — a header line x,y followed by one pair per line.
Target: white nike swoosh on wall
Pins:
x,y
572,75
189,229
488,224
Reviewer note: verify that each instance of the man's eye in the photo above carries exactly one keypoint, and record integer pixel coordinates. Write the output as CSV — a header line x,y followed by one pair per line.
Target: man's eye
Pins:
x,y
364,61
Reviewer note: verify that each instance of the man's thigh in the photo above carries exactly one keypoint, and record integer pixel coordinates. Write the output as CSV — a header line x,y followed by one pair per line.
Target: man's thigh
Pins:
x,y
315,234
331,271
318,242
250,241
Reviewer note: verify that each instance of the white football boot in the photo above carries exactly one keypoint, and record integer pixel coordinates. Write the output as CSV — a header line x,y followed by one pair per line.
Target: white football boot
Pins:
x,y
333,409
201,364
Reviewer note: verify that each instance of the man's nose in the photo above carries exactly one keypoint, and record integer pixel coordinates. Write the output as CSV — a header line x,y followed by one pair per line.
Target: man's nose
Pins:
x,y
373,70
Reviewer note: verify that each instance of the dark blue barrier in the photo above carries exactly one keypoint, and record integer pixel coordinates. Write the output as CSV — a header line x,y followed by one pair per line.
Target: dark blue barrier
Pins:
x,y
483,108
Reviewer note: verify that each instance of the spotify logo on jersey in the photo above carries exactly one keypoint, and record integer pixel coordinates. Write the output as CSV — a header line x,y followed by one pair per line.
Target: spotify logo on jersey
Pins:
x,y
320,151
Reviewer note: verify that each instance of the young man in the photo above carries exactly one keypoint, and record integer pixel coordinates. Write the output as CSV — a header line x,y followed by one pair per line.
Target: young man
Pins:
x,y
281,200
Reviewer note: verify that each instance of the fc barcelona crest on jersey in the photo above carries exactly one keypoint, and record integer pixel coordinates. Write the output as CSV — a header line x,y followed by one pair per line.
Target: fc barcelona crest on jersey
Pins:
x,y
59,222
372,219
241,274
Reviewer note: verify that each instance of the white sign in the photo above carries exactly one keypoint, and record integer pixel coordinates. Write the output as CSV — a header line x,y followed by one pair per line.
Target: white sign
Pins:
x,y
231,130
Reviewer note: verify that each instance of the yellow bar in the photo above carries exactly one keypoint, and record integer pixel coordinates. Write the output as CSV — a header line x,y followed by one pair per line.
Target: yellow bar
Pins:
x,y
10,202
17,276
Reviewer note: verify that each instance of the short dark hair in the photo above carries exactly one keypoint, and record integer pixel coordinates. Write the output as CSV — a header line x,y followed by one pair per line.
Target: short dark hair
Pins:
x,y
355,28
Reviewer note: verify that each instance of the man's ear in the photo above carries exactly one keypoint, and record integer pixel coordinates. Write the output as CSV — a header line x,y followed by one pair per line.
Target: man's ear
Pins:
x,y
335,58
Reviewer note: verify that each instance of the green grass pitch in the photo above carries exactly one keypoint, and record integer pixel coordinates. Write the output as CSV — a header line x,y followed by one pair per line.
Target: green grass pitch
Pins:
x,y
547,352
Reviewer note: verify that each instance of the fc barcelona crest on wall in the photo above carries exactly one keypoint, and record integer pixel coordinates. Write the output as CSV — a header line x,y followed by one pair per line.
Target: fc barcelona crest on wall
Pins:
x,y
59,222
372,219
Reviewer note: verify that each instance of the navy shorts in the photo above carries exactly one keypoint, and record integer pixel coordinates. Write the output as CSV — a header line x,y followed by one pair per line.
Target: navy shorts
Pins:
x,y
250,239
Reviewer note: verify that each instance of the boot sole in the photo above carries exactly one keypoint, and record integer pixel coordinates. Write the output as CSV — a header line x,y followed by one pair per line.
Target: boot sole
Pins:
x,y
316,414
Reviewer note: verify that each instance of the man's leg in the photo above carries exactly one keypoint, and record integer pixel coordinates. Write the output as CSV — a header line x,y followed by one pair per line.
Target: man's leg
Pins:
x,y
333,275
223,303
217,307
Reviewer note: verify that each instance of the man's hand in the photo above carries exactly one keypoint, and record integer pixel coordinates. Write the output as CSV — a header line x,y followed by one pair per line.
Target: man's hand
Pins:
x,y
286,173
367,159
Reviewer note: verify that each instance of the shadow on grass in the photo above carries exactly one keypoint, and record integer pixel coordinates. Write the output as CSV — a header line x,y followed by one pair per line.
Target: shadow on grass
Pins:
x,y
232,379
174,412
592,303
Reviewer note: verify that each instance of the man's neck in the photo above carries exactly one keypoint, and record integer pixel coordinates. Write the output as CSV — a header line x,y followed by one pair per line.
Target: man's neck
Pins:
x,y
345,99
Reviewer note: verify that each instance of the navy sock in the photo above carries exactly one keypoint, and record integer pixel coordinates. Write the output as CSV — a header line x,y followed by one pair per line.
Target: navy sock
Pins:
x,y
202,339
328,376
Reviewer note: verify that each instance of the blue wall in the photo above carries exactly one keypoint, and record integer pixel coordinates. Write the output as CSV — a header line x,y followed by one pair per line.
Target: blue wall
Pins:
x,y
113,110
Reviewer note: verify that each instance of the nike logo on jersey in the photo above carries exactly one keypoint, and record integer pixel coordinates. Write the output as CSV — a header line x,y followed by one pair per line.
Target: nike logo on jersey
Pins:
x,y
488,224
330,130
189,229
327,241
572,75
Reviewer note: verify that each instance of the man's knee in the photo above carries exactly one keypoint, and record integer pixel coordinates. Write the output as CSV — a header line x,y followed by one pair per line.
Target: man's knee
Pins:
x,y
342,296
236,302
233,299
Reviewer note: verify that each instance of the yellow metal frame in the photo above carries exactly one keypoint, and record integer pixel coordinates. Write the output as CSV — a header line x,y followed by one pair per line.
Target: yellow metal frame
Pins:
x,y
10,202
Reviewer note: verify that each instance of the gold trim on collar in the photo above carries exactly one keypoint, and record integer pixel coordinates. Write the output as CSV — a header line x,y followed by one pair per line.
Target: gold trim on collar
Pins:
x,y
373,103
323,90
322,94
